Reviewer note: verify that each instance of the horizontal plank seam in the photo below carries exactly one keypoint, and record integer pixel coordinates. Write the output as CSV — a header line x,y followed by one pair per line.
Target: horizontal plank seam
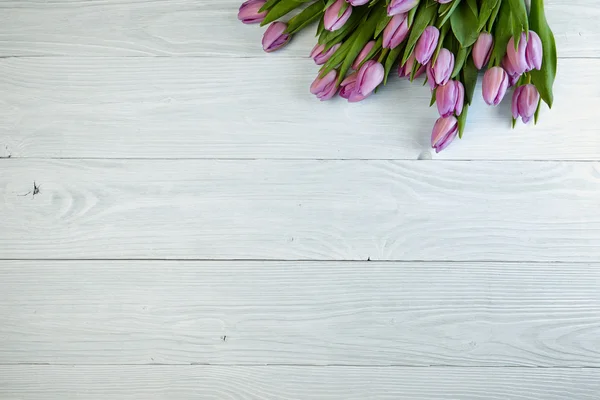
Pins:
x,y
213,57
494,160
283,260
306,365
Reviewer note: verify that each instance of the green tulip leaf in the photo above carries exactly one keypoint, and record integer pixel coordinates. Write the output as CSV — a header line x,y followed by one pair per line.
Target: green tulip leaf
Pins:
x,y
492,18
424,17
461,57
502,34
473,6
365,33
486,11
268,5
390,60
462,120
433,97
544,78
381,26
469,80
280,9
465,24
448,13
308,15
519,13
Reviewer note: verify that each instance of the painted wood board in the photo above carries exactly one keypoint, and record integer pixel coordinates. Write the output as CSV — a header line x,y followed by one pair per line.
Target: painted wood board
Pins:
x,y
298,209
261,108
303,313
201,28
40,382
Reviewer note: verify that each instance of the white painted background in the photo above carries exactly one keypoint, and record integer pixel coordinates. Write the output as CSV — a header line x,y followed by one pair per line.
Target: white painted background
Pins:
x,y
203,225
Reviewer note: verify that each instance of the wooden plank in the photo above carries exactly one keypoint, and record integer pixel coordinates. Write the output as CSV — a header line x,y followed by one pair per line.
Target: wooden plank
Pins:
x,y
39,382
290,209
244,108
201,28
306,313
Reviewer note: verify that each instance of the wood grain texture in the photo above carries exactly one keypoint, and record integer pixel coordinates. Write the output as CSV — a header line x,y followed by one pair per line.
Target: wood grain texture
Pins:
x,y
288,209
244,108
309,313
201,28
38,382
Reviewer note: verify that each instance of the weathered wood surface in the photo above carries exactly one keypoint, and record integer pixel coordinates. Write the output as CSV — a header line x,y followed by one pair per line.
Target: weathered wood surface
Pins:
x,y
315,313
291,209
201,28
39,382
261,108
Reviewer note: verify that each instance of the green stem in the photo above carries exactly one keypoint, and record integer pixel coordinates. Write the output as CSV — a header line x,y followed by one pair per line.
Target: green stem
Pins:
x,y
383,54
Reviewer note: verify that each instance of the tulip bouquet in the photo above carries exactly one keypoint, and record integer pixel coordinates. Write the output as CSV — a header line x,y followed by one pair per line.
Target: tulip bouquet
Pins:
x,y
447,41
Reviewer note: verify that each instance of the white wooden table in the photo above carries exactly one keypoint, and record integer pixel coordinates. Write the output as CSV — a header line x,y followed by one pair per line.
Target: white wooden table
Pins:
x,y
202,228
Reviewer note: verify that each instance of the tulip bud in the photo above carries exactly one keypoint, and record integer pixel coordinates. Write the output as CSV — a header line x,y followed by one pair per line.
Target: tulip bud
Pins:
x,y
495,83
348,89
443,1
444,132
370,75
275,37
482,49
348,84
363,54
534,51
320,55
249,11
357,2
513,77
518,57
442,68
426,44
430,77
524,102
405,70
395,31
401,6
450,98
325,88
332,20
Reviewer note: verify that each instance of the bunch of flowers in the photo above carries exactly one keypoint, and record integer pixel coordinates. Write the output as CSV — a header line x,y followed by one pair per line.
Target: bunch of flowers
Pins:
x,y
446,41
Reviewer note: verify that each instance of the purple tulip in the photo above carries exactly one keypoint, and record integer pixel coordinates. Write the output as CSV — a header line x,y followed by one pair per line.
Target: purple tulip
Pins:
x,y
518,57
357,2
348,84
482,49
405,70
450,98
513,76
401,6
495,83
430,77
426,44
534,51
370,75
325,88
395,31
320,55
444,132
363,54
348,89
333,20
441,69
275,37
249,11
524,102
